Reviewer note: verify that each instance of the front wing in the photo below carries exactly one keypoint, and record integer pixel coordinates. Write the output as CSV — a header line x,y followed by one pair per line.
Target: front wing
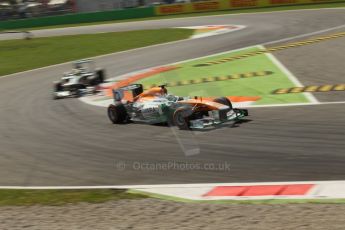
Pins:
x,y
217,117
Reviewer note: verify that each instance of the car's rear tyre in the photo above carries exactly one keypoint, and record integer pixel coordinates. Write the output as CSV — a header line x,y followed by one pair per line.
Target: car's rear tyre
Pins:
x,y
58,87
181,118
117,114
77,90
224,101
99,78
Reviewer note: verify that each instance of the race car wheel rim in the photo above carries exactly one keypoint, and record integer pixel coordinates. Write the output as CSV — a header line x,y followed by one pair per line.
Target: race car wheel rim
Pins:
x,y
180,118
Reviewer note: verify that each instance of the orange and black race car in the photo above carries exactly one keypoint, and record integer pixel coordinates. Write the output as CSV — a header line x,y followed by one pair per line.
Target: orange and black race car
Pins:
x,y
155,105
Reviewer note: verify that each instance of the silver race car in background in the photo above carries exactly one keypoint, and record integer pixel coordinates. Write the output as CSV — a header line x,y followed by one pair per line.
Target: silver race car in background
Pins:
x,y
83,79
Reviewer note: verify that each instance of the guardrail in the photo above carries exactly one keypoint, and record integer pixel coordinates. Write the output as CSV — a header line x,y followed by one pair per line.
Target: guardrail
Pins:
x,y
206,6
217,5
79,18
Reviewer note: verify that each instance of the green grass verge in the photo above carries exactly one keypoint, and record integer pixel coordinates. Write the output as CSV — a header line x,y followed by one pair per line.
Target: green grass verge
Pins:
x,y
251,202
254,86
236,11
20,55
62,197
13,197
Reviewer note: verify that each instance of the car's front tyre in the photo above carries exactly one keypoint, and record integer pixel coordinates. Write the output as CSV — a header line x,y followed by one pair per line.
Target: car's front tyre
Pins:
x,y
181,118
224,101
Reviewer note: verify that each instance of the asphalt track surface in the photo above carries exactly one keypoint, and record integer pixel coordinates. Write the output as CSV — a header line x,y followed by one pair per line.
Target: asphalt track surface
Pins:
x,y
66,142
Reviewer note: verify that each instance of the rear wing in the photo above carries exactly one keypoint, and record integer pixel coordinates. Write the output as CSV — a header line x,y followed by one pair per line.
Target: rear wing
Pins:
x,y
127,93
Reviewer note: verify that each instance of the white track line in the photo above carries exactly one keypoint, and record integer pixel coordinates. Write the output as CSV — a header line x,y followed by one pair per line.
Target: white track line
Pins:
x,y
291,77
297,104
305,35
214,32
